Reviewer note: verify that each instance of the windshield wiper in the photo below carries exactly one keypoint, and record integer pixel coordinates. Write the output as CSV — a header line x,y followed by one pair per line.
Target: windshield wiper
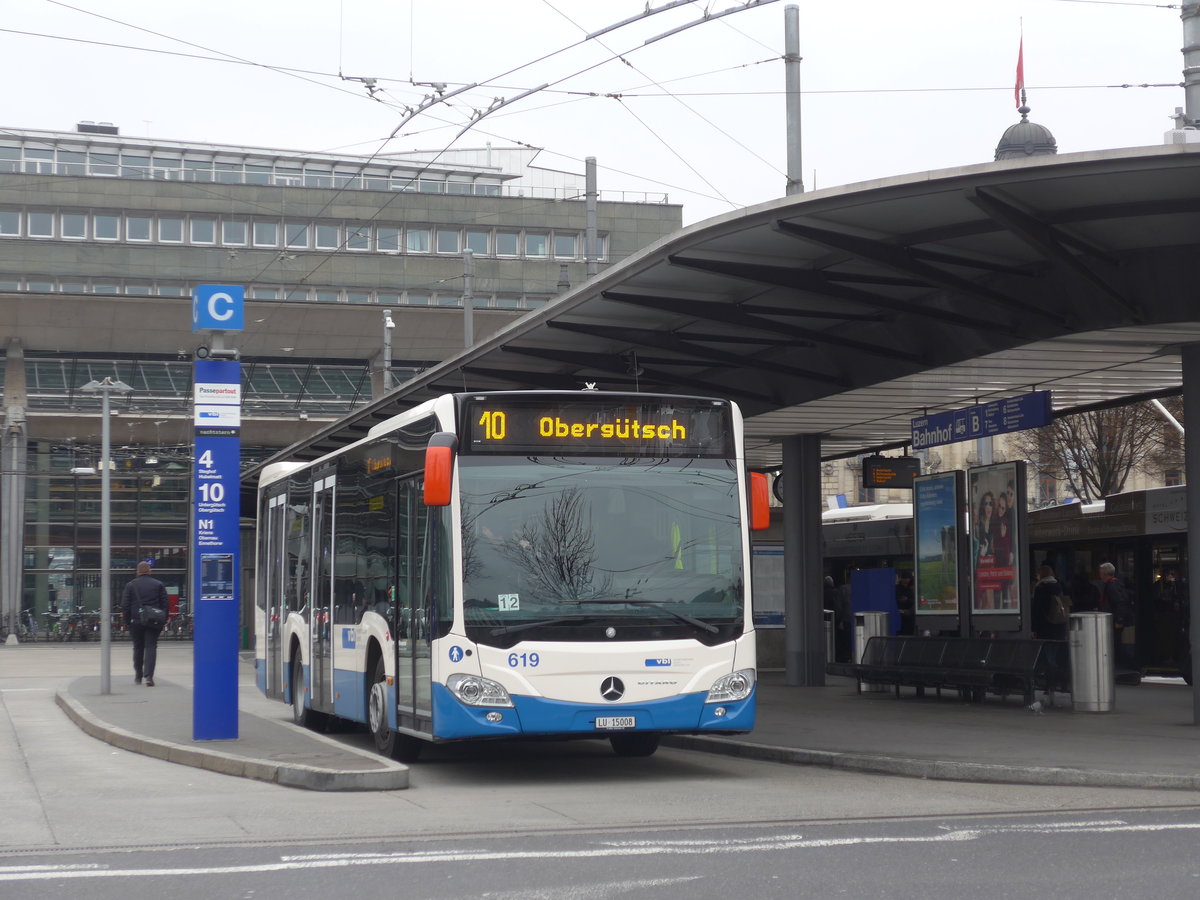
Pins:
x,y
524,626
682,617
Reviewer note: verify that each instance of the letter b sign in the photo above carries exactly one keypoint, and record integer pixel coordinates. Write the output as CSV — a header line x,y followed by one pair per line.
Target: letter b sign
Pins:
x,y
218,307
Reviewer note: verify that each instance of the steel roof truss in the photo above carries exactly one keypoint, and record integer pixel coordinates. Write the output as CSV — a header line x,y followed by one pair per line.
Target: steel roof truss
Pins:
x,y
902,259
1051,242
728,314
704,356
825,284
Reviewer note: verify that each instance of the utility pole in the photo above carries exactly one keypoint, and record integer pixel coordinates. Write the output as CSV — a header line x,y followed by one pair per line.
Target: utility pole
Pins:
x,y
105,389
388,325
468,298
590,251
791,74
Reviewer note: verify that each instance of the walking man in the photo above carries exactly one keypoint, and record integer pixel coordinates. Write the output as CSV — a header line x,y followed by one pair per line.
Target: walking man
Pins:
x,y
144,605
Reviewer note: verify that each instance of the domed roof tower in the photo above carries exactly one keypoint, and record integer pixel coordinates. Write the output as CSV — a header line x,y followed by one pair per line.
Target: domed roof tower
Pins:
x,y
1026,138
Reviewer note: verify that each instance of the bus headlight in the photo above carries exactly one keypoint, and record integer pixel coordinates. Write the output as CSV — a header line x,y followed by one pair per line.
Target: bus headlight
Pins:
x,y
734,686
476,691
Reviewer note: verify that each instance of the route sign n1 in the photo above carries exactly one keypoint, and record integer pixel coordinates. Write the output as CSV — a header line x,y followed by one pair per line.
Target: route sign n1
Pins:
x,y
215,584
1032,410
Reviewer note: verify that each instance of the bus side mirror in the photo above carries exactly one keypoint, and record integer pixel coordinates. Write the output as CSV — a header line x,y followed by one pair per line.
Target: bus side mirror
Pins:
x,y
439,469
760,502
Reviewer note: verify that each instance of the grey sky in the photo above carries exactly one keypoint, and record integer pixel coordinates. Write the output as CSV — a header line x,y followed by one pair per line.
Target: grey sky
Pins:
x,y
890,88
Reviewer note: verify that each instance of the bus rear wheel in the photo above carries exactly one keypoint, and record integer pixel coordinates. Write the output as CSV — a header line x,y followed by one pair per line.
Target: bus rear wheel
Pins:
x,y
402,747
637,744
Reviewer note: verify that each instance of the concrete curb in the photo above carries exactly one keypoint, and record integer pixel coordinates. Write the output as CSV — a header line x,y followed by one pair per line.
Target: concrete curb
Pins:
x,y
940,770
392,776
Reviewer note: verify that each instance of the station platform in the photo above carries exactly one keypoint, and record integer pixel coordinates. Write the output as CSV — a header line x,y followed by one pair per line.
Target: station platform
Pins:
x,y
1147,741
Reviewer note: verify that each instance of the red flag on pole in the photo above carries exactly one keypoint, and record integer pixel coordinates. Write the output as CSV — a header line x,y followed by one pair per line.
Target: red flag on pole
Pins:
x,y
1020,73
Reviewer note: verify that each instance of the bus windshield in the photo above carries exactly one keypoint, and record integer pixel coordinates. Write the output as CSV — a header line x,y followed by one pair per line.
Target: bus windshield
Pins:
x,y
558,548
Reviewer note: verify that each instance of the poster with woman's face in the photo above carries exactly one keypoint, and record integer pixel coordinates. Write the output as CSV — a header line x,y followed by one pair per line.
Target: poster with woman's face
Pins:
x,y
995,544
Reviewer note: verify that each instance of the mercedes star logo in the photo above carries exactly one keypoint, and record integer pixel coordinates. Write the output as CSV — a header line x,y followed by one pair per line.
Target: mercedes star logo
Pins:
x,y
612,689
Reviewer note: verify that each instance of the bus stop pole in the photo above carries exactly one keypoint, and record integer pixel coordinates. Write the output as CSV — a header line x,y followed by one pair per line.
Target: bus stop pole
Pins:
x,y
1191,407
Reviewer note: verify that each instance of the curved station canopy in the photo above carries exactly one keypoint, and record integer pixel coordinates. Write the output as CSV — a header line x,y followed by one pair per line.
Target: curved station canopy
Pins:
x,y
847,312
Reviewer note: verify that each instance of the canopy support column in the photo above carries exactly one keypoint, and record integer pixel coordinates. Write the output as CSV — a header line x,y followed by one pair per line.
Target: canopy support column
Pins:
x,y
804,638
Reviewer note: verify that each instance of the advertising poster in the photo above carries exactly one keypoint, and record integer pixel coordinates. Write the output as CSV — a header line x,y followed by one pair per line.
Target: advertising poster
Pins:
x,y
936,505
996,577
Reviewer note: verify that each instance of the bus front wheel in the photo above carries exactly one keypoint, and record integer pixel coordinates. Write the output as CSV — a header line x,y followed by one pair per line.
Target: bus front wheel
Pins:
x,y
636,744
301,714
403,747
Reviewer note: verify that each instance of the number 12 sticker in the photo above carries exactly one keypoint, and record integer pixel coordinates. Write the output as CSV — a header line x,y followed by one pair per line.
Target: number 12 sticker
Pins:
x,y
509,602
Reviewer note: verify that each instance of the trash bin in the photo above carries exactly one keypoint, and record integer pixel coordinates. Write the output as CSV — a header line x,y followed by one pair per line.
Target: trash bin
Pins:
x,y
866,626
1090,638
829,648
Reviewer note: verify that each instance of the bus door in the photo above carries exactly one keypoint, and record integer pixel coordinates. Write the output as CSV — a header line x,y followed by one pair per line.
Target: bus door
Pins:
x,y
274,589
413,634
323,535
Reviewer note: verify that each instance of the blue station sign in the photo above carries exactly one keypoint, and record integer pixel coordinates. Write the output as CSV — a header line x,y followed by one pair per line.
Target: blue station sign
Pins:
x,y
215,547
218,307
1032,410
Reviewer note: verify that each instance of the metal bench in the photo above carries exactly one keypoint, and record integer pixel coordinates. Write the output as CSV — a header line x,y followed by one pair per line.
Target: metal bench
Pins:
x,y
972,666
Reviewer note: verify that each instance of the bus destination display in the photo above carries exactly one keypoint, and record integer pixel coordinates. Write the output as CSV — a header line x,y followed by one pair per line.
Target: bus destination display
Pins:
x,y
610,426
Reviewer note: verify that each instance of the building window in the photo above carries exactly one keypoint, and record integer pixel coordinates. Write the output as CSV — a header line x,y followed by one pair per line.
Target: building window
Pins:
x,y
328,237
74,225
41,224
358,238
72,162
1172,477
170,231
264,293
329,296
10,222
358,296
266,234
137,228
102,163
535,244
477,242
417,240
233,232
447,241
204,231
296,235
506,243
566,246
417,299
387,239
106,228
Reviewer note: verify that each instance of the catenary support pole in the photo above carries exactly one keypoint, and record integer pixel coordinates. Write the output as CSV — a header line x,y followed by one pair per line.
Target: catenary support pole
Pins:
x,y
791,75
1190,13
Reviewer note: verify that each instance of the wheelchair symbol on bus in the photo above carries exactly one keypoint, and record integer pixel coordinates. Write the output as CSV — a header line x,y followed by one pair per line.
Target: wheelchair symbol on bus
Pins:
x,y
456,654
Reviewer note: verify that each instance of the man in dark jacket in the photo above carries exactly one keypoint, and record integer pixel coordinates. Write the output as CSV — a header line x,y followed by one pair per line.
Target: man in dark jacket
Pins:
x,y
145,590
1115,599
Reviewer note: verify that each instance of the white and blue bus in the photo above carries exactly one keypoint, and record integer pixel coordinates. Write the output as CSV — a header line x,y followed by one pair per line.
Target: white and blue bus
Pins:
x,y
517,565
